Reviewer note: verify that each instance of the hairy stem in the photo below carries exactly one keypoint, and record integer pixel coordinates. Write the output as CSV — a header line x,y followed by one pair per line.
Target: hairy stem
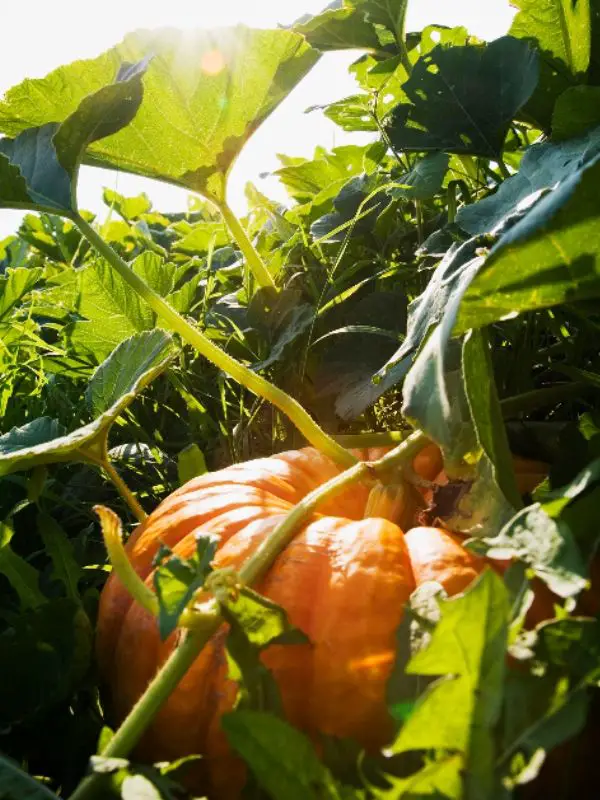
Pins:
x,y
257,266
312,432
400,34
124,490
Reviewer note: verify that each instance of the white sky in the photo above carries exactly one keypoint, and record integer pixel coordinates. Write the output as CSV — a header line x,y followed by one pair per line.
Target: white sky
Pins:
x,y
43,34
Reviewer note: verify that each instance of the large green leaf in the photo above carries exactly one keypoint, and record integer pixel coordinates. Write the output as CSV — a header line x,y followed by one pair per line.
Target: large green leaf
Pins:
x,y
340,26
560,30
463,99
205,93
544,168
458,712
117,381
38,168
550,256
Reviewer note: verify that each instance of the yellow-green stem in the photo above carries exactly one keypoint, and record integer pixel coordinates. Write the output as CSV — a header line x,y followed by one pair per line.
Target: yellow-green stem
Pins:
x,y
377,439
124,491
312,432
257,266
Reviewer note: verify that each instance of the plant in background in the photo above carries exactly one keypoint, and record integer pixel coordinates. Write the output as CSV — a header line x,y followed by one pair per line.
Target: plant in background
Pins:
x,y
449,266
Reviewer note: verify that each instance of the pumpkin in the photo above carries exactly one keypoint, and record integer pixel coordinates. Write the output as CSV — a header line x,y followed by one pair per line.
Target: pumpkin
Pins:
x,y
343,580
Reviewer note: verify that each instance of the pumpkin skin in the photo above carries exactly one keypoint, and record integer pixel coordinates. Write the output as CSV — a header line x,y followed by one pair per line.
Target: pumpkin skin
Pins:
x,y
343,580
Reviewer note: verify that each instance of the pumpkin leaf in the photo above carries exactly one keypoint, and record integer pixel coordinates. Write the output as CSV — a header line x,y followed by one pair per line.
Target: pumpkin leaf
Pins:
x,y
424,180
39,660
457,713
15,784
427,310
38,168
114,386
575,112
177,580
205,93
463,99
282,759
486,413
255,623
556,537
340,26
190,463
560,31
546,258
23,578
59,547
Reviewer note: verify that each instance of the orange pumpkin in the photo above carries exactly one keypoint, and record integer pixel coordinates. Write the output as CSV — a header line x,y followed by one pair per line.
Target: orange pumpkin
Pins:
x,y
343,580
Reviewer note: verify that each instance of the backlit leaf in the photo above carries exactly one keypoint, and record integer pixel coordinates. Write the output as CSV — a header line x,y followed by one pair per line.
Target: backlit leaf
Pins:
x,y
463,99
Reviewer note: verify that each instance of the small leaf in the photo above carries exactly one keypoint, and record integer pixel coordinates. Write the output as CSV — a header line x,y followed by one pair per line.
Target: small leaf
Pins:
x,y
424,179
190,464
66,570
338,27
177,580
558,537
23,578
282,759
463,99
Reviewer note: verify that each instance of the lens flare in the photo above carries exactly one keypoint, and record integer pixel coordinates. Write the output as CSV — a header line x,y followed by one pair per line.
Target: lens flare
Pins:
x,y
213,62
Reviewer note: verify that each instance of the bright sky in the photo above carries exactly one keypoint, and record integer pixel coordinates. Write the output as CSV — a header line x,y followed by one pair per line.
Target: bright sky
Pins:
x,y
61,31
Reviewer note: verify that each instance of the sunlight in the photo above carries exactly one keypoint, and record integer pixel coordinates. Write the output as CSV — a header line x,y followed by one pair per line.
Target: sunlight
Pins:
x,y
64,33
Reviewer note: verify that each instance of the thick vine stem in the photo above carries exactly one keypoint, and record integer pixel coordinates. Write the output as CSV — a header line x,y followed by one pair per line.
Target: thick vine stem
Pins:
x,y
257,266
207,618
312,432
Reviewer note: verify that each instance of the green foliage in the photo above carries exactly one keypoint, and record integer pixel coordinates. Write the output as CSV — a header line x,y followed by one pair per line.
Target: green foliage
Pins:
x,y
442,274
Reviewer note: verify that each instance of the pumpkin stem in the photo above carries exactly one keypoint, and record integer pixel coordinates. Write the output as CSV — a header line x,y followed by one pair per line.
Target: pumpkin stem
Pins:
x,y
396,502
112,531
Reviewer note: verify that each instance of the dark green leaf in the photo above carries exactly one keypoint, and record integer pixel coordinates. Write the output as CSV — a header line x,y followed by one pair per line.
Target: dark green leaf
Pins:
x,y
463,99
549,257
486,413
39,660
23,578
545,168
575,112
59,547
18,785
424,179
282,759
